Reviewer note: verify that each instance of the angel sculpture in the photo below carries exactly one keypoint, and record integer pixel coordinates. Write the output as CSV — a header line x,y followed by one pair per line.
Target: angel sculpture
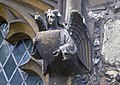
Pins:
x,y
65,50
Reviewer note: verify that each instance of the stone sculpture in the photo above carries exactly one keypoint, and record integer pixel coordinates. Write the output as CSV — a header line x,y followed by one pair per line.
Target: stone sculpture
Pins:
x,y
65,50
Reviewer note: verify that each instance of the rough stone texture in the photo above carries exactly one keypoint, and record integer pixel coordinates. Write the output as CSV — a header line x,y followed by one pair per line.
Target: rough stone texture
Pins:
x,y
111,43
111,50
94,3
106,42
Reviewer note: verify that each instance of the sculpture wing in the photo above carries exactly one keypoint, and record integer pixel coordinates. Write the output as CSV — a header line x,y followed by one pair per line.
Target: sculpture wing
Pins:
x,y
80,35
41,23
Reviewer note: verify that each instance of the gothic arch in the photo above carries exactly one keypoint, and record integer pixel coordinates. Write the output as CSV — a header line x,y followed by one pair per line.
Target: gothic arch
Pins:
x,y
19,30
9,11
21,26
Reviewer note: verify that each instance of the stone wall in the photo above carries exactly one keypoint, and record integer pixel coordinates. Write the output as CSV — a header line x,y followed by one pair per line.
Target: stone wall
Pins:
x,y
104,17
111,48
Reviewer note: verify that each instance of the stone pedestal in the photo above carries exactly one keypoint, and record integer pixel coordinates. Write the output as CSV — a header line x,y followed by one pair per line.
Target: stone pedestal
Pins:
x,y
58,80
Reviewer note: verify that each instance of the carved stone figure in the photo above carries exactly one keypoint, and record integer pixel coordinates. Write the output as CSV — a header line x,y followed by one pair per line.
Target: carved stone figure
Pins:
x,y
65,50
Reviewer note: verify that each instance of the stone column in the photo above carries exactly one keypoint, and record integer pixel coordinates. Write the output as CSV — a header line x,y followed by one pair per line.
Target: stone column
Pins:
x,y
58,80
72,5
62,8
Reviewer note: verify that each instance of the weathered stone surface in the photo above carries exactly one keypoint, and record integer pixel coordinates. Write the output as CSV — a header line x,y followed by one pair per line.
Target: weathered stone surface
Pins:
x,y
111,50
111,43
93,3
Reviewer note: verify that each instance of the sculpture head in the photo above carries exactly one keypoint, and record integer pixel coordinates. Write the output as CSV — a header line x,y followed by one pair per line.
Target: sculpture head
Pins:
x,y
53,18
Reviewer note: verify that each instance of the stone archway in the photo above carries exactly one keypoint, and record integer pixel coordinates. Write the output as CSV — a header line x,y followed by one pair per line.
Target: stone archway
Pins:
x,y
21,26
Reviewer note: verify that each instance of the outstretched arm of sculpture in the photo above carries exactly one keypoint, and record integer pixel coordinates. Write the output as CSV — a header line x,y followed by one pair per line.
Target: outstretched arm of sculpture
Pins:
x,y
67,47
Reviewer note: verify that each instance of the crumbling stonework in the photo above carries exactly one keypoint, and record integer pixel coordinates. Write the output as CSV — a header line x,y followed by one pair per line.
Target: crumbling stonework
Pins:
x,y
106,42
111,49
98,69
111,43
